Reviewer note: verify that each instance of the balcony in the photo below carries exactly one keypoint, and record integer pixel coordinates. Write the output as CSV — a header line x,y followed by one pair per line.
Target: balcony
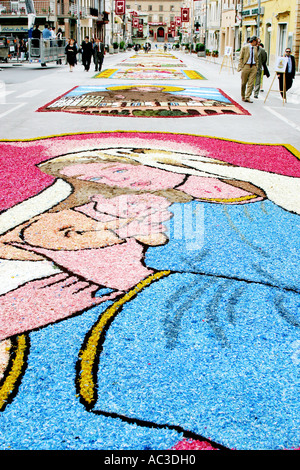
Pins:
x,y
85,12
13,9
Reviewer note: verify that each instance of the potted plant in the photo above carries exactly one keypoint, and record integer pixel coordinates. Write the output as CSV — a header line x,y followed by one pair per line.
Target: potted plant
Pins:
x,y
200,49
215,53
116,47
122,46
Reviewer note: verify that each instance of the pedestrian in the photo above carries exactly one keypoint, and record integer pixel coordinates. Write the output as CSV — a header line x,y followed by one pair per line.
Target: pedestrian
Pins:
x,y
71,52
22,49
262,60
46,32
248,66
99,54
36,35
87,52
59,37
289,73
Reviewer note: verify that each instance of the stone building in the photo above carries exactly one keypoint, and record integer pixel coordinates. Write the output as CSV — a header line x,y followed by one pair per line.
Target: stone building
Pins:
x,y
161,16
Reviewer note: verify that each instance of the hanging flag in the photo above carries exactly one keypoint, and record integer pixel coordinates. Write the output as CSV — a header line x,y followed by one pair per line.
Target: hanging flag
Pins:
x,y
178,20
135,22
120,7
185,15
134,13
172,25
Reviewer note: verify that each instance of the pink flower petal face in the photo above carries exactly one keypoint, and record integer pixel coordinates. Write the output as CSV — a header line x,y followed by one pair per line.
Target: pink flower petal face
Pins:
x,y
144,213
124,175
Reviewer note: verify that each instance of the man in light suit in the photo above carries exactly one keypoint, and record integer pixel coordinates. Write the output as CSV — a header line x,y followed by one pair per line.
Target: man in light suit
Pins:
x,y
248,66
289,73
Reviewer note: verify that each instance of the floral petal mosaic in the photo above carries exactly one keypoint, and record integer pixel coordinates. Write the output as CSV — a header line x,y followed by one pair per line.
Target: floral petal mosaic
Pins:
x,y
148,73
145,101
149,293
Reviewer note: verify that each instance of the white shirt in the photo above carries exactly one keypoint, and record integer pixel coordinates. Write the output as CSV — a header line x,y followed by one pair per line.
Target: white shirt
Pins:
x,y
253,59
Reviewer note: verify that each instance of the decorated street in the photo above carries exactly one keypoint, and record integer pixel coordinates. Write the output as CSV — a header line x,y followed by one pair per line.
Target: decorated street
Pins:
x,y
149,257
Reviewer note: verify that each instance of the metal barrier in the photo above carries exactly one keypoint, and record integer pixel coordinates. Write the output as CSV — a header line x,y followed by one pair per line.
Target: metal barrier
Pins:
x,y
46,50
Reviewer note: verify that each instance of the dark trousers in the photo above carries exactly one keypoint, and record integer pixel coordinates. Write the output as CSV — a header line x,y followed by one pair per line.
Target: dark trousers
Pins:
x,y
288,83
98,61
86,61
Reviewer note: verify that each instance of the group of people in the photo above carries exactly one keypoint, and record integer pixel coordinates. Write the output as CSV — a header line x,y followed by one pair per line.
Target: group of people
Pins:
x,y
94,48
253,66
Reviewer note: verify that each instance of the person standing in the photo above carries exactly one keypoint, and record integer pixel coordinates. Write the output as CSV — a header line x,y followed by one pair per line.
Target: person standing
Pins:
x,y
99,52
36,36
46,32
71,51
22,50
248,66
87,52
289,73
262,60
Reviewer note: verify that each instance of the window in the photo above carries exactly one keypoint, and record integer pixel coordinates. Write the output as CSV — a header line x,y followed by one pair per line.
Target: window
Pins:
x,y
282,37
161,19
150,18
139,7
161,8
171,7
149,7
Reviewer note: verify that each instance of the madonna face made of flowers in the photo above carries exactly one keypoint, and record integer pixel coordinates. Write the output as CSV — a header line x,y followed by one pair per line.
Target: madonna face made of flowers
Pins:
x,y
115,171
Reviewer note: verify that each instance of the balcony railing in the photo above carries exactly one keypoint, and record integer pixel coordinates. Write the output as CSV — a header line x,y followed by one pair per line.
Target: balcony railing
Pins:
x,y
84,11
42,8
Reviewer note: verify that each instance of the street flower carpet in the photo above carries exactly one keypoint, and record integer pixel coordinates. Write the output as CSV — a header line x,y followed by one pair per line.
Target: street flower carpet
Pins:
x,y
149,293
145,100
153,66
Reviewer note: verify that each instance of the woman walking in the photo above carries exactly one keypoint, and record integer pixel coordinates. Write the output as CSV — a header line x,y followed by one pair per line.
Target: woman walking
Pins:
x,y
71,52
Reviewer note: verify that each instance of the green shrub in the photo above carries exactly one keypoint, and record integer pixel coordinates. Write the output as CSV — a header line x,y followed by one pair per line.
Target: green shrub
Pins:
x,y
200,47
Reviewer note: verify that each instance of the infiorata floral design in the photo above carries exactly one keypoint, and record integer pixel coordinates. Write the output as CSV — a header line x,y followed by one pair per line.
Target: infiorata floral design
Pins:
x,y
145,101
149,293
143,73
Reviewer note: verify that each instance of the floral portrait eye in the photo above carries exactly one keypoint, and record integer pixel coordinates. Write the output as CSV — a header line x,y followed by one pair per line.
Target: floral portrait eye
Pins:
x,y
120,171
96,178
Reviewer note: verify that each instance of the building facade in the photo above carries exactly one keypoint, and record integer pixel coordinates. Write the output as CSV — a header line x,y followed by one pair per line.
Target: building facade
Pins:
x,y
158,16
277,24
76,18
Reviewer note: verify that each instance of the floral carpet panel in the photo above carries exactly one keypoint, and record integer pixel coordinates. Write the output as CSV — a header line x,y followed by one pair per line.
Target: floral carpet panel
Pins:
x,y
149,293
145,101
148,73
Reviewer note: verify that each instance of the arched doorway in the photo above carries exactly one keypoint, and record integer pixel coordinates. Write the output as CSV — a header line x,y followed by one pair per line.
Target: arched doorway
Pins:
x,y
160,34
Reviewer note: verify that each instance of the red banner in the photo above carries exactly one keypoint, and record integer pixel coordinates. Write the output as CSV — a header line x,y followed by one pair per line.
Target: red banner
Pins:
x,y
185,15
134,13
120,7
172,25
141,28
178,20
135,22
